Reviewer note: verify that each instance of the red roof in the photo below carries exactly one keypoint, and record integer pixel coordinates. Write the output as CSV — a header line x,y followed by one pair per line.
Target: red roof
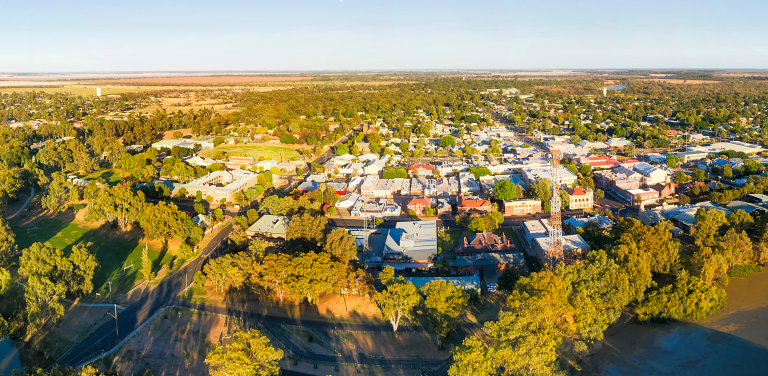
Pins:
x,y
578,191
478,203
419,201
418,166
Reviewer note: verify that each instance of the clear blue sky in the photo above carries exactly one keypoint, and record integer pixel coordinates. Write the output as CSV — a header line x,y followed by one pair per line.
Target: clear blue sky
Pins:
x,y
139,35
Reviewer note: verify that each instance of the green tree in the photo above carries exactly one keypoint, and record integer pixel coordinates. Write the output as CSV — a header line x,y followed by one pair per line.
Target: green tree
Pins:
x,y
397,301
80,279
8,247
248,354
277,206
146,265
56,197
727,172
342,149
442,308
706,226
681,178
740,220
312,275
698,175
274,272
306,230
447,141
162,221
118,205
635,263
505,190
689,298
629,150
672,161
684,200
542,190
341,245
472,358
42,303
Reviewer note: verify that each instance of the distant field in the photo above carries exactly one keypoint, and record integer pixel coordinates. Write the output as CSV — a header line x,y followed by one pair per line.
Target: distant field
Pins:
x,y
84,91
255,151
210,80
680,81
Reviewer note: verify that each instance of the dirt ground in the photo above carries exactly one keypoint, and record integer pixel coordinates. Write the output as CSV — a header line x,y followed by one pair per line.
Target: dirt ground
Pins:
x,y
329,308
419,344
172,344
78,321
733,341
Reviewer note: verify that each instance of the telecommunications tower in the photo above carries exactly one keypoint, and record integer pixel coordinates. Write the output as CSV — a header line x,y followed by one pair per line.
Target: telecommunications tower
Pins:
x,y
555,252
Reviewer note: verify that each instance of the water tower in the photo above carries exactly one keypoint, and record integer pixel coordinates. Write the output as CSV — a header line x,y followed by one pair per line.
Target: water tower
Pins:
x,y
98,91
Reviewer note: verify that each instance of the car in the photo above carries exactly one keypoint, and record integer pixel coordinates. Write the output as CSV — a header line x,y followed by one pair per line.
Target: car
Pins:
x,y
492,285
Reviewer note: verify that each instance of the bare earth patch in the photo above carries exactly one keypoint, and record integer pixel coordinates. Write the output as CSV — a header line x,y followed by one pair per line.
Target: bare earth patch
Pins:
x,y
211,80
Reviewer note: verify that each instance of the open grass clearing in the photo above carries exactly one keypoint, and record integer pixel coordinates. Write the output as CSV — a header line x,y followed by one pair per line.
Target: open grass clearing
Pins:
x,y
391,345
111,176
113,249
255,151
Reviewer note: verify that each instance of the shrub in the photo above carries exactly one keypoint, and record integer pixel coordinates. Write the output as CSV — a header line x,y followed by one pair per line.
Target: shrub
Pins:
x,y
743,270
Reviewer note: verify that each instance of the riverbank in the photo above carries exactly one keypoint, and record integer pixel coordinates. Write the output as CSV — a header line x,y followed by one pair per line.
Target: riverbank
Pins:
x,y
732,341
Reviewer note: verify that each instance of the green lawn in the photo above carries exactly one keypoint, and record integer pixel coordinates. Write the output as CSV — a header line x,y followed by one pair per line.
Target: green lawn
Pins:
x,y
447,241
254,151
111,176
111,247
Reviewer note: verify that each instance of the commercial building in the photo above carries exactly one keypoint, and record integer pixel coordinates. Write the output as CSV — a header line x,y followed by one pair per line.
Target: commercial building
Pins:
x,y
407,246
183,143
574,249
522,206
220,184
273,226
580,198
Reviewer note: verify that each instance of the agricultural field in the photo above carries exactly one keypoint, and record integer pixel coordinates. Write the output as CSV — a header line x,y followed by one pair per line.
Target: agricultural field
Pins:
x,y
113,249
255,151
75,90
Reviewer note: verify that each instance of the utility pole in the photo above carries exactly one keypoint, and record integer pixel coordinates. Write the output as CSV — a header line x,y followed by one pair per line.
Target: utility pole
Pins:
x,y
110,291
117,333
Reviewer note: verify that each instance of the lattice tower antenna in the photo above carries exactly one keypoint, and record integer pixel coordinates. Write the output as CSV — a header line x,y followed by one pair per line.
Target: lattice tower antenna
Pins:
x,y
555,252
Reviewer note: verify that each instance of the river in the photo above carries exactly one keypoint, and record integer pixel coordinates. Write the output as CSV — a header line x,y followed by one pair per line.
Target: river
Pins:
x,y
733,341
9,357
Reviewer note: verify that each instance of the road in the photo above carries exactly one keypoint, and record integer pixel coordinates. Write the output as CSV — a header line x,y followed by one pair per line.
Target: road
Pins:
x,y
31,195
107,336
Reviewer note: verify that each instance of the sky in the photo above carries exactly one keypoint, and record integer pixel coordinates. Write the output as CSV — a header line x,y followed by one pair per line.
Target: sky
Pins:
x,y
344,35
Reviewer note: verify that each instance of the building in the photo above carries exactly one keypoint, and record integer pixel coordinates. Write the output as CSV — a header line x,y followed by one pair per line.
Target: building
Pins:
x,y
755,198
689,156
183,143
421,170
665,190
651,174
533,174
574,249
641,195
474,205
574,223
618,142
522,206
407,246
598,162
490,263
485,242
580,198
220,184
272,226
417,204
537,228
236,162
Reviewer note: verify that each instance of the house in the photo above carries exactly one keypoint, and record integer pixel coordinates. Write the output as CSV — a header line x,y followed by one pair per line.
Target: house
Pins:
x,y
272,226
420,170
580,198
651,174
618,143
522,206
407,246
665,190
485,242
751,209
375,167
640,195
574,249
755,198
490,263
474,205
592,145
417,204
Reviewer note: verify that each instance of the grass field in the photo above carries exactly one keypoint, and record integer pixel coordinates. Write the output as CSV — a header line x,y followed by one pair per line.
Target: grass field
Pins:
x,y
111,247
84,91
447,241
254,151
110,175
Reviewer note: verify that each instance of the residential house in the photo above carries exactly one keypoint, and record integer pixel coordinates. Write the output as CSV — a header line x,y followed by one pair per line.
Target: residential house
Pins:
x,y
651,174
273,226
490,263
417,204
420,170
485,242
474,205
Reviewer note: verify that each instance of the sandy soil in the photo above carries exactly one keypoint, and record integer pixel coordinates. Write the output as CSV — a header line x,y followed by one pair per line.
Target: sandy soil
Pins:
x,y
419,344
170,345
329,308
210,80
733,341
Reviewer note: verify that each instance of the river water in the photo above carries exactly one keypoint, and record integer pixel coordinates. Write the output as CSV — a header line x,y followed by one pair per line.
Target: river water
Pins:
x,y
9,357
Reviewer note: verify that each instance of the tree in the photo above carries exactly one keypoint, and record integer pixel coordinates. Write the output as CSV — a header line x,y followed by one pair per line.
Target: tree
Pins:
x,y
634,263
447,141
629,150
41,296
146,265
249,354
397,301
706,226
472,358
8,247
505,190
277,206
442,308
342,149
689,298
341,245
56,197
599,291
479,171
224,272
163,221
565,200
727,172
657,242
698,175
684,200
306,230
681,178
672,161
274,272
84,264
312,274
117,205
542,190
740,220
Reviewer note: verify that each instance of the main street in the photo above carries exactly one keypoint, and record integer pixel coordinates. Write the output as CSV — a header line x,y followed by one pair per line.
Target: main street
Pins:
x,y
108,335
